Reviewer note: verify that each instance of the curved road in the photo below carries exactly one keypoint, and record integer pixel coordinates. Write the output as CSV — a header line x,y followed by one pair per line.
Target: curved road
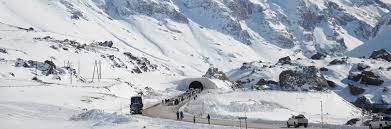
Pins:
x,y
169,112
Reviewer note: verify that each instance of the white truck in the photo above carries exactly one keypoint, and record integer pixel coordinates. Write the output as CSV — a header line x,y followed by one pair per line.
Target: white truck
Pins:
x,y
380,123
297,121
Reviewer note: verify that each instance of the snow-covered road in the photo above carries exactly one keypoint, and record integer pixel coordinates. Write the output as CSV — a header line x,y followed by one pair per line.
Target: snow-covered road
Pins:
x,y
168,112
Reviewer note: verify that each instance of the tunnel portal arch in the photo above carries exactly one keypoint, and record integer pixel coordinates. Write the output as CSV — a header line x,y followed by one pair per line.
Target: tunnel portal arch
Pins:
x,y
196,85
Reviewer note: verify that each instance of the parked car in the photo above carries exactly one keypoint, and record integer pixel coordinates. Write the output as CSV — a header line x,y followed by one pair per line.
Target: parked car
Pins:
x,y
297,121
136,105
382,122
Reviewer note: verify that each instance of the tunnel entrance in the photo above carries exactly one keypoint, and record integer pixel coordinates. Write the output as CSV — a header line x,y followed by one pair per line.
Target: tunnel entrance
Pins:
x,y
196,85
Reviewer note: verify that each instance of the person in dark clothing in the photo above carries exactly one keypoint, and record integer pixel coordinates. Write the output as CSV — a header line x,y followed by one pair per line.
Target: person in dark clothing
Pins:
x,y
193,119
208,117
176,101
177,115
181,115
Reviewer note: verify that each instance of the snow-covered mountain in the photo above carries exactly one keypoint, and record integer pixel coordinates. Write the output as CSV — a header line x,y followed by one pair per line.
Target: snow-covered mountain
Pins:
x,y
223,33
147,46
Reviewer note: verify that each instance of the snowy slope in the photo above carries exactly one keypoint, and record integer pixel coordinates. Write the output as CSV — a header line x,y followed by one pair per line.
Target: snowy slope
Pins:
x,y
380,41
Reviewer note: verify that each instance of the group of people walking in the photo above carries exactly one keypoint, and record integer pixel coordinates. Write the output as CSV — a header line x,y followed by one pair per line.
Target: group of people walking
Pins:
x,y
189,94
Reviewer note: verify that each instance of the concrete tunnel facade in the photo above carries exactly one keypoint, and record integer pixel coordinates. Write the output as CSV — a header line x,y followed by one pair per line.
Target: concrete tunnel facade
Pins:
x,y
197,83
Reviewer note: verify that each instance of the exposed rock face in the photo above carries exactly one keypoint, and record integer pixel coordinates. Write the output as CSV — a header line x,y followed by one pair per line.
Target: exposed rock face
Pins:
x,y
362,30
366,77
324,69
214,73
142,64
266,82
363,102
356,90
117,62
352,121
362,66
355,77
280,23
263,84
370,78
3,50
51,68
305,78
338,61
285,60
331,84
64,44
161,8
384,21
106,44
381,54
309,18
76,14
318,56
47,67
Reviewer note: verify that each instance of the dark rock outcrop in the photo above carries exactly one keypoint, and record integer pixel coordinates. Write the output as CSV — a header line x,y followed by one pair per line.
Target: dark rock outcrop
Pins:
x,y
142,64
324,69
305,78
65,44
355,77
318,56
362,66
352,121
47,67
367,78
338,61
117,62
285,60
266,82
381,54
106,44
125,8
52,67
331,84
371,81
363,102
356,90
3,50
214,73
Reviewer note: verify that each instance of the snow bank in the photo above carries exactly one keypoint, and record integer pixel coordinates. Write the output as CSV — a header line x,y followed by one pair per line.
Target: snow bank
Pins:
x,y
274,105
100,117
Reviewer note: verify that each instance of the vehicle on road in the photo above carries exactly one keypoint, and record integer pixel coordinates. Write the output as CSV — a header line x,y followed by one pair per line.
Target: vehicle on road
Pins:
x,y
297,121
382,122
136,105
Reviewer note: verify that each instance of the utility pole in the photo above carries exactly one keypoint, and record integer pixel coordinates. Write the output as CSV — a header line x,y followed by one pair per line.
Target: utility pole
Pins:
x,y
93,73
321,114
100,70
36,69
70,71
78,67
